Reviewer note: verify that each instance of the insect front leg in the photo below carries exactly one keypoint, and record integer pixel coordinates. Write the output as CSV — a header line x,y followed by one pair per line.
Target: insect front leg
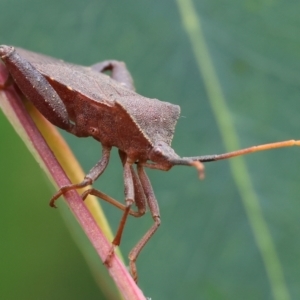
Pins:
x,y
139,195
154,209
92,175
119,72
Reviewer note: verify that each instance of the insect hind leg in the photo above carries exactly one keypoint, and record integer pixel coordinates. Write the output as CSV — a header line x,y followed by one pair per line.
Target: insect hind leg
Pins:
x,y
119,72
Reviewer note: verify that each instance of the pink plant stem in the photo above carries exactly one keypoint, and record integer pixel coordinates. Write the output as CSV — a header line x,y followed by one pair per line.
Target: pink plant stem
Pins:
x,y
117,270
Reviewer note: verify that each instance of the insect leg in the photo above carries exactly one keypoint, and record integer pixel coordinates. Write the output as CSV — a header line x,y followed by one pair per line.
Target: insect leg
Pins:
x,y
112,201
92,175
119,72
154,209
129,200
139,200
139,195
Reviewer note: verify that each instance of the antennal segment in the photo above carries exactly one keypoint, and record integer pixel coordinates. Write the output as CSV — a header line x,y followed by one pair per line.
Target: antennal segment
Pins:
x,y
215,157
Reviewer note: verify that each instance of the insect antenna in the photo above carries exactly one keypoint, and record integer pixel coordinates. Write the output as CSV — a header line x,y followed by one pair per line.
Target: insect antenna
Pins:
x,y
215,157
197,161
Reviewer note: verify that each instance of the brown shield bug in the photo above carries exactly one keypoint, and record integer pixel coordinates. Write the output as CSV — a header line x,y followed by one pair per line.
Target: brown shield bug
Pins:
x,y
86,102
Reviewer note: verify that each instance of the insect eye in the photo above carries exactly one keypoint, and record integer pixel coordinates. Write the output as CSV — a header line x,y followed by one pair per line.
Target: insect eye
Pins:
x,y
158,150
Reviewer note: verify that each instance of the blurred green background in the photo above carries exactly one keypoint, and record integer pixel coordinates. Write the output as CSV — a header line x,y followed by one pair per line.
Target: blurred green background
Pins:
x,y
205,248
